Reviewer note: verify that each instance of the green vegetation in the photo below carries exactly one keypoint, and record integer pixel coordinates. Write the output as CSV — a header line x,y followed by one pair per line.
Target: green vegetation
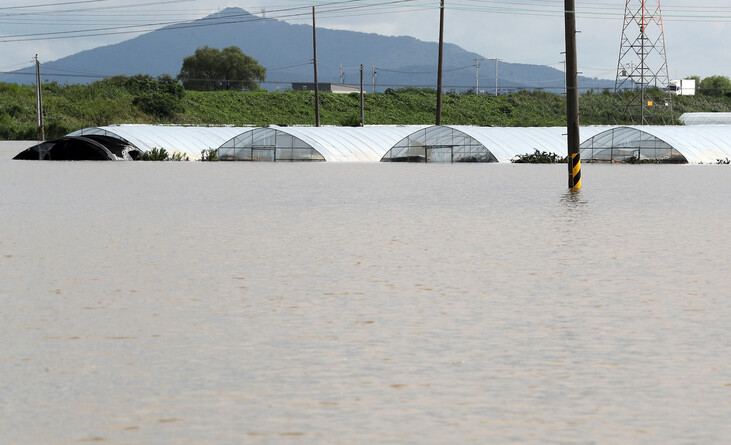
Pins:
x,y
209,155
539,157
210,69
160,154
143,99
717,86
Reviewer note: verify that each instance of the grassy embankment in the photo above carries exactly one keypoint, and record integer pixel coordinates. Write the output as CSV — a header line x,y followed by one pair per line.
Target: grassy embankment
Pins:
x,y
126,100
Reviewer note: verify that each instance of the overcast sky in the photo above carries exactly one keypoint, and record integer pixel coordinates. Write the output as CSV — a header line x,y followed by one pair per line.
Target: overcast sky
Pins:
x,y
520,31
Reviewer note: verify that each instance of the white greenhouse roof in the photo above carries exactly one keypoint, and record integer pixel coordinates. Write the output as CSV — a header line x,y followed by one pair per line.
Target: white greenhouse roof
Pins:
x,y
706,118
190,141
348,144
697,143
505,143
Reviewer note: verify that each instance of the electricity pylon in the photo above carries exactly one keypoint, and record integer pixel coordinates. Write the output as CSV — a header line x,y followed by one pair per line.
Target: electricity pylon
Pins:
x,y
640,89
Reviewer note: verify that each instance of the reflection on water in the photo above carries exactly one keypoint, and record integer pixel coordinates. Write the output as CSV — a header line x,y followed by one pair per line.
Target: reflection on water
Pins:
x,y
219,303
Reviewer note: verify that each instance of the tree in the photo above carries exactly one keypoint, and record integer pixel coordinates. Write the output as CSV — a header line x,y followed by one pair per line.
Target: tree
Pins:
x,y
715,86
697,81
228,69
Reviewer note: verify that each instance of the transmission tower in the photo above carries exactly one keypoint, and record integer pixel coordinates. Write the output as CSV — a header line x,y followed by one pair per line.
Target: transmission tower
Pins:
x,y
640,90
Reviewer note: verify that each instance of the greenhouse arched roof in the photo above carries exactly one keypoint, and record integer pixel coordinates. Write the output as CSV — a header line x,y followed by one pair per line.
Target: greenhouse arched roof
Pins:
x,y
190,141
706,118
694,144
332,144
462,143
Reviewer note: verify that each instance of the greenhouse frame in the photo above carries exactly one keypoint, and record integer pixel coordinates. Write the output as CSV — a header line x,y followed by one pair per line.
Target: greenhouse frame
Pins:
x,y
443,144
332,144
461,143
128,142
391,143
696,144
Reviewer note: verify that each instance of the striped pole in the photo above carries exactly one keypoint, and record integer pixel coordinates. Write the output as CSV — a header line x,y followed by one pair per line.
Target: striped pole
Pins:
x,y
574,171
572,97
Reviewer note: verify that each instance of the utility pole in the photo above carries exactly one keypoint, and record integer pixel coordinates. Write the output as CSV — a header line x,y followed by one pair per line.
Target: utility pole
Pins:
x,y
39,104
439,69
572,97
314,58
496,61
362,108
342,75
373,79
477,74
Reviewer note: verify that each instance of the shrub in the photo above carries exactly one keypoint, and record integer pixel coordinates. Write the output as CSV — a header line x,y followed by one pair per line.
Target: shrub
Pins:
x,y
352,120
539,157
156,154
209,155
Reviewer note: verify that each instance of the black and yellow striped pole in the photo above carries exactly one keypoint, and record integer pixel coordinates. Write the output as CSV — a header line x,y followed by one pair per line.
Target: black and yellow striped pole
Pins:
x,y
572,97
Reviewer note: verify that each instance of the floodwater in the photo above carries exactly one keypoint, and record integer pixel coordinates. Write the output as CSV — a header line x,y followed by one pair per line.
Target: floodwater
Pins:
x,y
227,303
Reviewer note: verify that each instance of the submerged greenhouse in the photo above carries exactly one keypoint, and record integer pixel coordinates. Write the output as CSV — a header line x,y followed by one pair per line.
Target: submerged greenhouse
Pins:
x,y
332,144
461,143
391,143
128,142
437,143
717,118
660,144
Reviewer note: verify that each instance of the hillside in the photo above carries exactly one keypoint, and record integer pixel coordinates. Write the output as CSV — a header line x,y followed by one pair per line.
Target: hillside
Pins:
x,y
286,51
135,100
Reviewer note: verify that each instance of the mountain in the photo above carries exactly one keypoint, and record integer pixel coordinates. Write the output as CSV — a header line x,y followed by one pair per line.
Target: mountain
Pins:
x,y
285,49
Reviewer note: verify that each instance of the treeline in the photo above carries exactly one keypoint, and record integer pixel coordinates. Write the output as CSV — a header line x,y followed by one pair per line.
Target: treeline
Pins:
x,y
143,99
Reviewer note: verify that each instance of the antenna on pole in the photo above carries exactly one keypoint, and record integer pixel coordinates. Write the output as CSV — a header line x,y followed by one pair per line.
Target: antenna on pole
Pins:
x,y
39,103
642,65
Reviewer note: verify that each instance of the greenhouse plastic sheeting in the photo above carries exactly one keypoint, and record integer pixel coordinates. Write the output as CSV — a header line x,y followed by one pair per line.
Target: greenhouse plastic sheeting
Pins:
x,y
505,143
190,141
706,118
696,143
334,144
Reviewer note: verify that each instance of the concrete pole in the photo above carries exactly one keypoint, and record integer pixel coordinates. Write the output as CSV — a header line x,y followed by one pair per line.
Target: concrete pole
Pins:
x,y
439,69
362,108
477,76
314,54
39,103
496,61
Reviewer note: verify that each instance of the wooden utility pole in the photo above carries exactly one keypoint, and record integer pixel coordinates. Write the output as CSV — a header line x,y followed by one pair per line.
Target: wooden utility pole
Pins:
x,y
439,69
572,97
314,58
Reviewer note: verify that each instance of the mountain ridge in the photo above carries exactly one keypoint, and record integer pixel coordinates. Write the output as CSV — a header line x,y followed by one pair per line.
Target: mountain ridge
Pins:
x,y
285,49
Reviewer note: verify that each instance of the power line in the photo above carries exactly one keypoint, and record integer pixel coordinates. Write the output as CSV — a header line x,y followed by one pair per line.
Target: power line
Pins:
x,y
4,8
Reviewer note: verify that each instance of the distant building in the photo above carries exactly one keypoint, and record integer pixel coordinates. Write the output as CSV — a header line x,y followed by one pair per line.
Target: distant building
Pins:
x,y
682,87
326,87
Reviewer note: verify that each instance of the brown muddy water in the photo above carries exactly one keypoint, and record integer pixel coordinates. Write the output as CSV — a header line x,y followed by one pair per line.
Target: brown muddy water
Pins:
x,y
222,303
